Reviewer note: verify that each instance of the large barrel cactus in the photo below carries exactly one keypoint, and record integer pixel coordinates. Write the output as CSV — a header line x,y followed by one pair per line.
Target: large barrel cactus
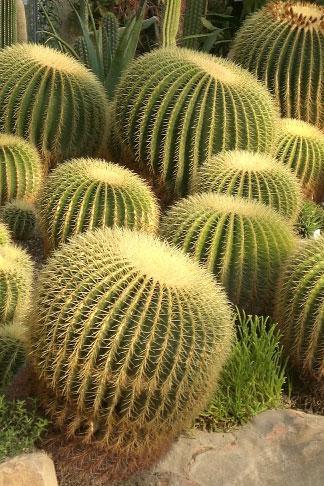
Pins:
x,y
301,147
243,243
21,171
84,194
52,100
300,308
20,218
176,107
251,176
127,337
16,276
283,45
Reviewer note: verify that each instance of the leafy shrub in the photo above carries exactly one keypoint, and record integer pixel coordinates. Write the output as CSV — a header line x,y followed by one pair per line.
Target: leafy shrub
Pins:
x,y
310,219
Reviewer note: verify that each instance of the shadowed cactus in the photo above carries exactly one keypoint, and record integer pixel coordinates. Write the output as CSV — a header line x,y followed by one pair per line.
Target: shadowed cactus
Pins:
x,y
251,176
283,45
192,24
243,243
301,147
130,335
20,218
300,308
5,237
176,107
310,219
52,100
84,194
16,275
12,352
21,172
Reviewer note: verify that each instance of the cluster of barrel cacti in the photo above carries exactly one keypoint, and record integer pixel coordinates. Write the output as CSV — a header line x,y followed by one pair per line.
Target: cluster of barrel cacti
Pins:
x,y
131,318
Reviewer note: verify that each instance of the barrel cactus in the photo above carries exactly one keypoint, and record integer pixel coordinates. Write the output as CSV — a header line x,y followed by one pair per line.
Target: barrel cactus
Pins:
x,y
21,171
283,45
20,218
5,237
251,176
16,275
176,107
84,194
243,243
300,308
12,352
52,100
301,147
127,341
310,219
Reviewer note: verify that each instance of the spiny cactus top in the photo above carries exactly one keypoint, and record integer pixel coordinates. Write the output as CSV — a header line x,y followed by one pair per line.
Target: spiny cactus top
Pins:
x,y
16,276
130,336
283,44
301,147
176,107
21,172
300,308
251,176
20,218
52,100
84,194
244,243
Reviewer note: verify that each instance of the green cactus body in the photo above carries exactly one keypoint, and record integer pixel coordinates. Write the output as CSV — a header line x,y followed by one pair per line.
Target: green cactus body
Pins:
x,y
20,218
80,48
176,107
110,37
251,176
300,308
192,25
171,22
283,45
300,146
16,275
8,23
5,237
21,22
52,100
243,243
310,219
21,171
12,352
84,194
130,335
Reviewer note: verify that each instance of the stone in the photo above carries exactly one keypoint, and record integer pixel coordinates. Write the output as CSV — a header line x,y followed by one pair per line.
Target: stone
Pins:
x,y
279,447
35,469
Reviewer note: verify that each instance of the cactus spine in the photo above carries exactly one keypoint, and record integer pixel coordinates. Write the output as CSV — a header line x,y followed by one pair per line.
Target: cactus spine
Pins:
x,y
283,45
84,194
192,25
301,147
53,101
300,308
251,176
130,339
171,22
20,218
5,237
243,243
176,107
12,352
8,23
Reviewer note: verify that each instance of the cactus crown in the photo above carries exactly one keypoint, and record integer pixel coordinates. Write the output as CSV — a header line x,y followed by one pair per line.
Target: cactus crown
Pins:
x,y
300,14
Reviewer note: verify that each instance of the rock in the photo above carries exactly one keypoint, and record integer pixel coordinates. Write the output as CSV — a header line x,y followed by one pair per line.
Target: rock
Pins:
x,y
277,448
35,469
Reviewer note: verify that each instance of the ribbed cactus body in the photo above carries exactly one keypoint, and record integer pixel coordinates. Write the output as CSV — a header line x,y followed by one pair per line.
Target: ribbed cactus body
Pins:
x,y
12,352
300,308
16,274
8,23
21,172
170,22
52,100
283,45
251,176
129,335
192,24
110,37
84,194
5,236
176,107
243,243
20,218
301,147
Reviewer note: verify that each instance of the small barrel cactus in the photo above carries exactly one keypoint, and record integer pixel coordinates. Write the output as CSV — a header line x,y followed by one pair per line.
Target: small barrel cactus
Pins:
x,y
16,276
283,45
84,194
129,335
251,176
20,218
310,220
5,237
301,147
53,101
176,107
300,308
243,243
21,172
12,352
